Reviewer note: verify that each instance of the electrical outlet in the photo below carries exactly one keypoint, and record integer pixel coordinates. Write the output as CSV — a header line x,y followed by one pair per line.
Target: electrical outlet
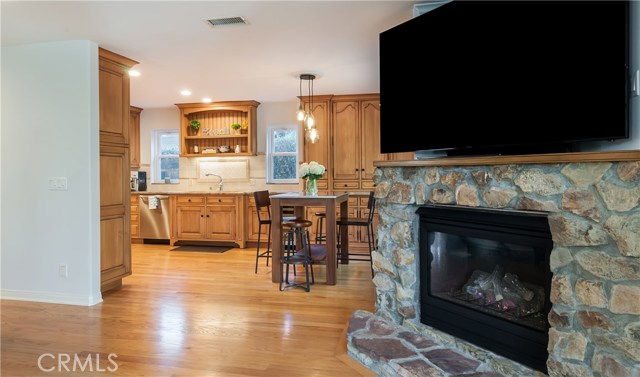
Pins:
x,y
63,270
58,183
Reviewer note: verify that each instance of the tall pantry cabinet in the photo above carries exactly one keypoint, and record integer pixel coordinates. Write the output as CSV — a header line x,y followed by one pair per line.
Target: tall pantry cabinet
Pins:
x,y
356,141
115,190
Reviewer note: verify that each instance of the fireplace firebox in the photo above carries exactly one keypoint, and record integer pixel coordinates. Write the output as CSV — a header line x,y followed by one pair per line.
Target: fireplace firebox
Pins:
x,y
485,278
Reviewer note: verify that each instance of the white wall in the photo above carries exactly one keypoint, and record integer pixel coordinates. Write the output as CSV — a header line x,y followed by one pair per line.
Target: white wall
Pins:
x,y
269,114
50,129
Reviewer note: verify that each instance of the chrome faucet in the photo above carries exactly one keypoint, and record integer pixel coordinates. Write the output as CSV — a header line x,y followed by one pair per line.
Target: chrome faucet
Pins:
x,y
216,175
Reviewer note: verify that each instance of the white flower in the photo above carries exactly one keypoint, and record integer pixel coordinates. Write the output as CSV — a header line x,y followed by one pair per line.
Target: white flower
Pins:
x,y
312,169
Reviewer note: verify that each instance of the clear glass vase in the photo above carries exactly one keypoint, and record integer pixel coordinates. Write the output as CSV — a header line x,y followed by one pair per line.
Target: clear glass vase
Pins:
x,y
311,187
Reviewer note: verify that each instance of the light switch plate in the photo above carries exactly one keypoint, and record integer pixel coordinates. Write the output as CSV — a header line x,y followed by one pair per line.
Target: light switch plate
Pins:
x,y
58,183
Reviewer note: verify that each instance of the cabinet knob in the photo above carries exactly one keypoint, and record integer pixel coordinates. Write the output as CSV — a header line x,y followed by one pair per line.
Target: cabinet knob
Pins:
x,y
207,215
189,200
201,215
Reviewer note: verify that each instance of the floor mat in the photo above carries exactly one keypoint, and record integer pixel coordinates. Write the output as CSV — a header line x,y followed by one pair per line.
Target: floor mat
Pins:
x,y
203,249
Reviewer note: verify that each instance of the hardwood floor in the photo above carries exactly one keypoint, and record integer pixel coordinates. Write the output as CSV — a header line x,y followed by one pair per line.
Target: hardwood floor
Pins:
x,y
193,314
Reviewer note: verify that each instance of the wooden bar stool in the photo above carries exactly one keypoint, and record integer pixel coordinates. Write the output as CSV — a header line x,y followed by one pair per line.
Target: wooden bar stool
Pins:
x,y
361,222
320,219
296,251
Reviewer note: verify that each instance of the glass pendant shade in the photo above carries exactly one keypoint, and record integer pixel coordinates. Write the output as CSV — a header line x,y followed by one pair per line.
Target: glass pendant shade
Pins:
x,y
301,113
312,135
309,121
305,116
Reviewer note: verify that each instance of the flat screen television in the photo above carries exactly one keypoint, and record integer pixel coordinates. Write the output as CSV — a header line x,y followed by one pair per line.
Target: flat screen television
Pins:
x,y
505,77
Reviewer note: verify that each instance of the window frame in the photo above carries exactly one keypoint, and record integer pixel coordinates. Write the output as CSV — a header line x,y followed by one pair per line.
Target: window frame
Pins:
x,y
156,134
270,153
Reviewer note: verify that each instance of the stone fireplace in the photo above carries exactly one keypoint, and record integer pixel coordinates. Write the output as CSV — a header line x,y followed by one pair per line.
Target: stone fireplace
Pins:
x,y
592,205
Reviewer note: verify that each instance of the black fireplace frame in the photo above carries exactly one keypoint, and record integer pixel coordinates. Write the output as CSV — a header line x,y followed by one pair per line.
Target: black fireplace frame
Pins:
x,y
514,341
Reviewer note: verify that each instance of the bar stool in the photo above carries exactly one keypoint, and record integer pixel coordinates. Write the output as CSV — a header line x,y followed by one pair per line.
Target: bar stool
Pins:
x,y
320,219
263,208
296,251
361,222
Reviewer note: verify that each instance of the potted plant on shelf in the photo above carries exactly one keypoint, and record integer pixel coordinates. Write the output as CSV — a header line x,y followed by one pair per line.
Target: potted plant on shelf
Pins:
x,y
194,126
236,127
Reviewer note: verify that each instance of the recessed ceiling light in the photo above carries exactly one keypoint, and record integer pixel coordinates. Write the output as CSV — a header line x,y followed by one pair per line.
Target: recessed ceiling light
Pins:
x,y
134,73
206,100
185,92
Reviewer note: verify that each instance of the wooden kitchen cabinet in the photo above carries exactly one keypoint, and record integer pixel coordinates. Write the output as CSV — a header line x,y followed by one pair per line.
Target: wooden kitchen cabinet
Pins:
x,y
134,137
356,141
115,190
209,218
135,218
215,130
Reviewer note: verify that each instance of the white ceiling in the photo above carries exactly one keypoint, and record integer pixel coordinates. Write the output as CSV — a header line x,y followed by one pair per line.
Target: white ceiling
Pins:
x,y
260,61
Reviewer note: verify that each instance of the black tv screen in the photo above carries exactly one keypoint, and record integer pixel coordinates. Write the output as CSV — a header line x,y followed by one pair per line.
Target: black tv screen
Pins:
x,y
505,77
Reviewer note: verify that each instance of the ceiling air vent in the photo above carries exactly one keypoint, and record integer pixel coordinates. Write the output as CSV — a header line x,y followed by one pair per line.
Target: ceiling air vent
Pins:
x,y
226,21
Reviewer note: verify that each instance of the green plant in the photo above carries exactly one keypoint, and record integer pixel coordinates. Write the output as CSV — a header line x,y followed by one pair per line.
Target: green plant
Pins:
x,y
236,126
195,124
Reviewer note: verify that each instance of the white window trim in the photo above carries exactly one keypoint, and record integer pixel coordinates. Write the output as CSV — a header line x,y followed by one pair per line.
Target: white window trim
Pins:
x,y
270,154
155,158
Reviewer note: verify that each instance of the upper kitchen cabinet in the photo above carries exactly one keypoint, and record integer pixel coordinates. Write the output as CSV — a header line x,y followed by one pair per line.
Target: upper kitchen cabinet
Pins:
x,y
134,137
114,97
215,134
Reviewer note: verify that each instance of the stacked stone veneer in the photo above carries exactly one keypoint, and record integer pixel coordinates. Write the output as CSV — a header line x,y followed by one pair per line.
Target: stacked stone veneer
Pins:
x,y
594,216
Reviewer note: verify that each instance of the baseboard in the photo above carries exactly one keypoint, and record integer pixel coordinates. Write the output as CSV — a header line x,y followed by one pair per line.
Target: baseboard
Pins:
x,y
50,297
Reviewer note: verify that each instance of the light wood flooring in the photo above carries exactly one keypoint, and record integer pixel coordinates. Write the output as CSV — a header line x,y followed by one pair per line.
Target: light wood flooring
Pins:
x,y
195,314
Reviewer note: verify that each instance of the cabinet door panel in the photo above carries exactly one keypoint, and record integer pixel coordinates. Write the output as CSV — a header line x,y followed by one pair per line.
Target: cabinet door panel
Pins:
x,y
134,136
114,100
346,155
370,112
190,222
115,246
221,223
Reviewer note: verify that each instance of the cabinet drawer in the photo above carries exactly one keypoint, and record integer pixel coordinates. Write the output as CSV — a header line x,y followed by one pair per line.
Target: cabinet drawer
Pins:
x,y
186,200
134,199
349,185
221,200
368,185
322,184
134,218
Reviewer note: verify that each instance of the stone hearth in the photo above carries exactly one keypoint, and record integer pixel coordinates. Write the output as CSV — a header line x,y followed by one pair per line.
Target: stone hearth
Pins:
x,y
593,201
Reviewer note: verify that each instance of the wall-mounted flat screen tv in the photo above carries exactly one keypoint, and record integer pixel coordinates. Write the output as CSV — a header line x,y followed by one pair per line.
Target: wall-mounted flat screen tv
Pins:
x,y
505,77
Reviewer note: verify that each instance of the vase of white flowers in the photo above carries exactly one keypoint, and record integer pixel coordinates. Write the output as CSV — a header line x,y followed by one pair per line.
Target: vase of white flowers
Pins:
x,y
311,172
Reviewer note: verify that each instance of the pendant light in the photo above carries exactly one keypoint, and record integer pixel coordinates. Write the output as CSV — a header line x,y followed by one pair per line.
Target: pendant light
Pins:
x,y
305,115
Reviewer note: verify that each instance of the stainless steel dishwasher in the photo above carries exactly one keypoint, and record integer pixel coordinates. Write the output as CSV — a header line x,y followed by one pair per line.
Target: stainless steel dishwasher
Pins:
x,y
155,217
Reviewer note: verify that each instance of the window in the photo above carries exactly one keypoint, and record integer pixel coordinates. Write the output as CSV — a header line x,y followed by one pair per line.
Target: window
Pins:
x,y
164,155
282,154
